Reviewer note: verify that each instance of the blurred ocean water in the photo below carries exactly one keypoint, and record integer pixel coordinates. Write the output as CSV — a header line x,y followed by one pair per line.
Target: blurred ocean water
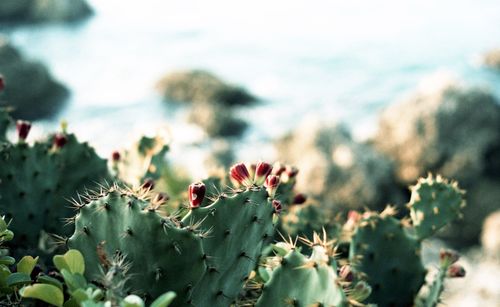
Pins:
x,y
338,60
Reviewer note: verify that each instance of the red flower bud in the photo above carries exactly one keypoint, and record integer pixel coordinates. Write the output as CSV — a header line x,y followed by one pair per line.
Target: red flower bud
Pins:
x,y
23,129
277,206
196,194
239,172
299,199
448,257
115,156
262,170
278,169
271,184
456,270
60,140
291,171
2,83
148,184
345,273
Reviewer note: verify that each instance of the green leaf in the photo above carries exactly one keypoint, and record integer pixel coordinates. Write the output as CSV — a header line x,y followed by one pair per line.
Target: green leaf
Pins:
x,y
7,260
80,295
44,279
4,274
48,293
71,303
26,264
18,278
164,300
74,281
72,261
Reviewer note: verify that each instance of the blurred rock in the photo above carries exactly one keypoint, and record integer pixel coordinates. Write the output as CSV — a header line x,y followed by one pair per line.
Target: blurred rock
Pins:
x,y
199,86
29,87
492,59
451,130
337,170
454,131
43,10
217,121
490,237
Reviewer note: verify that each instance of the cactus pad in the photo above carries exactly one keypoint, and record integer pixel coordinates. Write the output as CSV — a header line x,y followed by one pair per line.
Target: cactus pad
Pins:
x,y
382,249
237,227
163,256
434,203
299,280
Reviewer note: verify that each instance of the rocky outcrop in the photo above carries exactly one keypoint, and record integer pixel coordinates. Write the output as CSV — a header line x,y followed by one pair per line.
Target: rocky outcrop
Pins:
x,y
213,102
454,131
29,87
43,10
337,170
199,86
216,121
492,59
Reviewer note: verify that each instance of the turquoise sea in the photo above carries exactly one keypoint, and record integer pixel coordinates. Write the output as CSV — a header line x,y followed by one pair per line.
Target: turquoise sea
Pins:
x,y
338,60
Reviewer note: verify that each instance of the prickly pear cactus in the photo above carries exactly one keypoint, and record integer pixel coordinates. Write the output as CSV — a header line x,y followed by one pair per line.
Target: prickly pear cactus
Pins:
x,y
383,250
434,203
305,220
299,280
79,167
387,250
37,180
145,160
163,255
28,181
238,227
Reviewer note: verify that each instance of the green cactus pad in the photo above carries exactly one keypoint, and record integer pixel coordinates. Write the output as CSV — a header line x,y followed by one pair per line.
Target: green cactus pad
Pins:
x,y
79,168
303,281
382,249
434,203
305,220
162,255
146,159
37,181
28,181
238,227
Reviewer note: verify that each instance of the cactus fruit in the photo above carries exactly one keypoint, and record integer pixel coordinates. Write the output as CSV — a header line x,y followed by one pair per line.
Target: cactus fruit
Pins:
x,y
387,250
163,255
298,280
